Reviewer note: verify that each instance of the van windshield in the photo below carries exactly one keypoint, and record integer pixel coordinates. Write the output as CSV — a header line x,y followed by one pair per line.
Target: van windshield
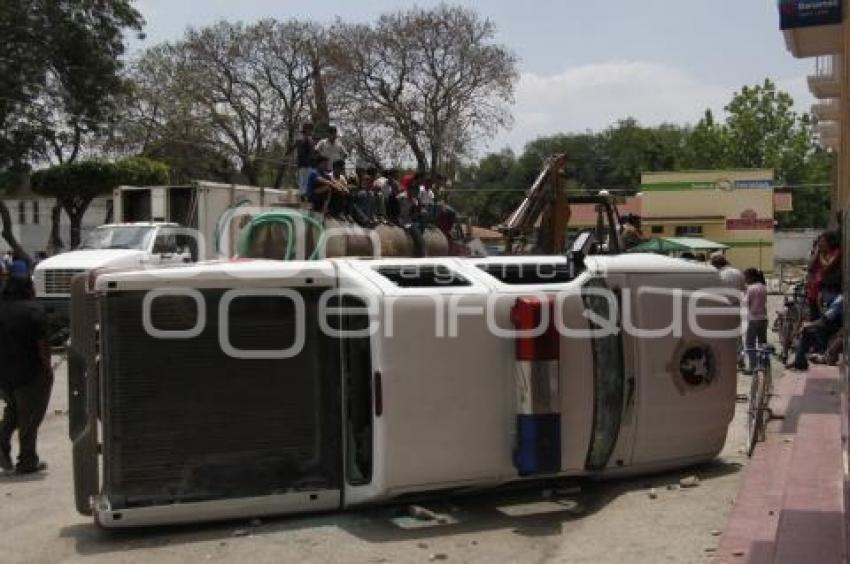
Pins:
x,y
119,237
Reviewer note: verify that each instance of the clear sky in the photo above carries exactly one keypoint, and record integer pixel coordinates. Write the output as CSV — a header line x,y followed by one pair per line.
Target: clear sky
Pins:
x,y
584,63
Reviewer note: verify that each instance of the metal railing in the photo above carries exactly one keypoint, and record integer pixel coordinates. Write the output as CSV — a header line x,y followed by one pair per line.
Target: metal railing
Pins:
x,y
825,66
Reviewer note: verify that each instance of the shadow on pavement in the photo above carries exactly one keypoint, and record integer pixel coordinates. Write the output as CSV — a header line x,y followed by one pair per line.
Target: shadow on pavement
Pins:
x,y
532,510
11,477
820,397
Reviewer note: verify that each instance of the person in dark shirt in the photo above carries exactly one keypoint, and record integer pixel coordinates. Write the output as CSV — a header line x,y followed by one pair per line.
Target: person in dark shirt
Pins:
x,y
321,184
305,154
816,335
26,379
19,266
632,234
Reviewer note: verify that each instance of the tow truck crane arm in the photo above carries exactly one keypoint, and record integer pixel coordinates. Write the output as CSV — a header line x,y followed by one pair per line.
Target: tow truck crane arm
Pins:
x,y
545,198
546,204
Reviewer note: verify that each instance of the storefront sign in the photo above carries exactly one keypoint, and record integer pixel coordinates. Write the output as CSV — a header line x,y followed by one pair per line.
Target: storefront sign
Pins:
x,y
749,220
805,13
749,184
725,184
783,202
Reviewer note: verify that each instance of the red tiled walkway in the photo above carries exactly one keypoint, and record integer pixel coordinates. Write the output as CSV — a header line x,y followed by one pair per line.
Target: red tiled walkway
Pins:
x,y
790,506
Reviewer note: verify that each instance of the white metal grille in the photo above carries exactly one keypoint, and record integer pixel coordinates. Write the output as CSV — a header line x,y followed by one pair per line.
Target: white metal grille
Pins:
x,y
58,281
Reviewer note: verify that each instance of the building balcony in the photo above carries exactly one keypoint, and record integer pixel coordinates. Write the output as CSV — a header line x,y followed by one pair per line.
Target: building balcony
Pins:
x,y
827,110
829,134
826,81
831,143
814,41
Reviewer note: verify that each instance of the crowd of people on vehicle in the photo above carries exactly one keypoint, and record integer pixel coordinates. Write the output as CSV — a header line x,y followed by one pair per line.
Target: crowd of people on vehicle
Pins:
x,y
370,195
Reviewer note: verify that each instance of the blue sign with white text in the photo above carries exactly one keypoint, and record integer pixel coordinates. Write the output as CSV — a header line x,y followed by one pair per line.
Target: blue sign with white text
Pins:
x,y
805,13
751,184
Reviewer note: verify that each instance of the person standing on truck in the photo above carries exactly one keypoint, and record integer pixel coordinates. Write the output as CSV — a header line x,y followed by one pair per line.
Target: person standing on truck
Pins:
x,y
305,153
331,147
390,189
26,379
426,201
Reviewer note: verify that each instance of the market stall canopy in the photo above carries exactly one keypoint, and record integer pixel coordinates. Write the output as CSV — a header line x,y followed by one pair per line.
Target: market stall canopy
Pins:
x,y
678,245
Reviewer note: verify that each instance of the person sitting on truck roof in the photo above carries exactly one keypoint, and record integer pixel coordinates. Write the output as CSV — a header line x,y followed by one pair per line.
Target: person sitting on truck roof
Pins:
x,y
408,211
390,189
338,171
26,379
321,185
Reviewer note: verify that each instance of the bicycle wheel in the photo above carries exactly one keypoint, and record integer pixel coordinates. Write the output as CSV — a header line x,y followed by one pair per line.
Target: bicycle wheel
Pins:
x,y
755,413
768,383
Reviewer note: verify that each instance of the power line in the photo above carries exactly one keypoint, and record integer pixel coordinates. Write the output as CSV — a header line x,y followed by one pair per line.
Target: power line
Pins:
x,y
629,191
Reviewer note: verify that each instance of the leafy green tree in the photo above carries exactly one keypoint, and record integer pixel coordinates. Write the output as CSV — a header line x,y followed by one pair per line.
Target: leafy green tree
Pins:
x,y
75,185
436,79
812,196
763,131
227,98
60,64
612,159
705,146
482,190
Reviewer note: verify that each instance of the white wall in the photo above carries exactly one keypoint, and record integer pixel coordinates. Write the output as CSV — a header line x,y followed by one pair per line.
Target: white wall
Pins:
x,y
794,245
33,232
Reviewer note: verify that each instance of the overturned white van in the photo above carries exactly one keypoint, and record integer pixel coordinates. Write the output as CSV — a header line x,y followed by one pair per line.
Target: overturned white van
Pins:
x,y
252,388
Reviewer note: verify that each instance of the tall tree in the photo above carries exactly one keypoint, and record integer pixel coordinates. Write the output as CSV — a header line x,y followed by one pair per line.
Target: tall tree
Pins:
x,y
230,91
435,78
705,147
60,66
763,131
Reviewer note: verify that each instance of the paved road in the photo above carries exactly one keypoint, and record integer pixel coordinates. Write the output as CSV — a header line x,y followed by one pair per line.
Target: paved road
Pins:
x,y
606,522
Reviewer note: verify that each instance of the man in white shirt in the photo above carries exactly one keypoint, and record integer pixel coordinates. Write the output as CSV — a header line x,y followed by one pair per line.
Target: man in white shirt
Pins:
x,y
331,147
731,277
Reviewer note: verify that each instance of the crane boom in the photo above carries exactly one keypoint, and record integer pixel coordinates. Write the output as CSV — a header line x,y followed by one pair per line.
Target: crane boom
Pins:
x,y
544,203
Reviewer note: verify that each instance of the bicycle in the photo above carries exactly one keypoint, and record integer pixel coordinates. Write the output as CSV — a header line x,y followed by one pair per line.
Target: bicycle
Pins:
x,y
761,390
790,320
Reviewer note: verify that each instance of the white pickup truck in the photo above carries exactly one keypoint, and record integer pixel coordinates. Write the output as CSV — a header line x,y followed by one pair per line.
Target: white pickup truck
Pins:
x,y
154,228
121,245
